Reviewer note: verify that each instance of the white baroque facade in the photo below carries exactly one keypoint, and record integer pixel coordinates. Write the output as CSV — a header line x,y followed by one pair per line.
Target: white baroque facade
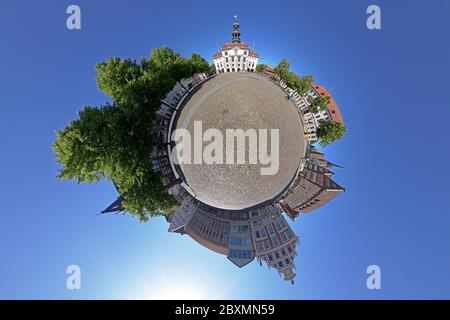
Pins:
x,y
236,55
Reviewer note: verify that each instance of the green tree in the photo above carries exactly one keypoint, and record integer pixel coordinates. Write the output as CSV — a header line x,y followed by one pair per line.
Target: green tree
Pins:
x,y
198,64
117,77
260,67
304,84
301,84
319,103
282,70
329,132
114,141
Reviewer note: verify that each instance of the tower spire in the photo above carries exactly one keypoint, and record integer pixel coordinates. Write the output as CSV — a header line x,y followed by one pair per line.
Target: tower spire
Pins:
x,y
236,35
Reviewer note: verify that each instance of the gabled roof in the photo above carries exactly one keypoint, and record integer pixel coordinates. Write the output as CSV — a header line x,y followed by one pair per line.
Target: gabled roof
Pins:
x,y
240,262
253,54
216,55
231,45
336,115
116,206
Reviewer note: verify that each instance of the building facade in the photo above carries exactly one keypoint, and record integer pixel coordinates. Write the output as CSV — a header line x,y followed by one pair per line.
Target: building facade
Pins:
x,y
235,56
312,189
261,233
274,241
332,113
311,120
314,156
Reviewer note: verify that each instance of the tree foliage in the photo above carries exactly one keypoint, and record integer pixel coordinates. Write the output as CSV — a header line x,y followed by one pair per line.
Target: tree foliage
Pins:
x,y
114,141
260,67
198,63
301,84
329,132
319,103
212,68
282,70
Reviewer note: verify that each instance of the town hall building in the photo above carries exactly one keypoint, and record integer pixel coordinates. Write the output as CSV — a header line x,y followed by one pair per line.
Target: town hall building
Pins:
x,y
236,55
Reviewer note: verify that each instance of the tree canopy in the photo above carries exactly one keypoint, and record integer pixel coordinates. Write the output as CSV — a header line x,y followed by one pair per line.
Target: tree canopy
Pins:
x,y
319,103
212,68
260,67
114,141
301,84
198,63
329,132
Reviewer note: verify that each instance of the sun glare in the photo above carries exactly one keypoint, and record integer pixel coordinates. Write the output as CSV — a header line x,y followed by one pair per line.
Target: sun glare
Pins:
x,y
179,285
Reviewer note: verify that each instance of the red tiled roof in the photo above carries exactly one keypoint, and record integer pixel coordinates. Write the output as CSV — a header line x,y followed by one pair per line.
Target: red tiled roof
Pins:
x,y
269,68
253,54
336,115
229,45
289,211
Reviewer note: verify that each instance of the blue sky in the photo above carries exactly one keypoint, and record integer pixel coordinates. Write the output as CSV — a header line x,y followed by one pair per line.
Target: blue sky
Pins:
x,y
392,86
